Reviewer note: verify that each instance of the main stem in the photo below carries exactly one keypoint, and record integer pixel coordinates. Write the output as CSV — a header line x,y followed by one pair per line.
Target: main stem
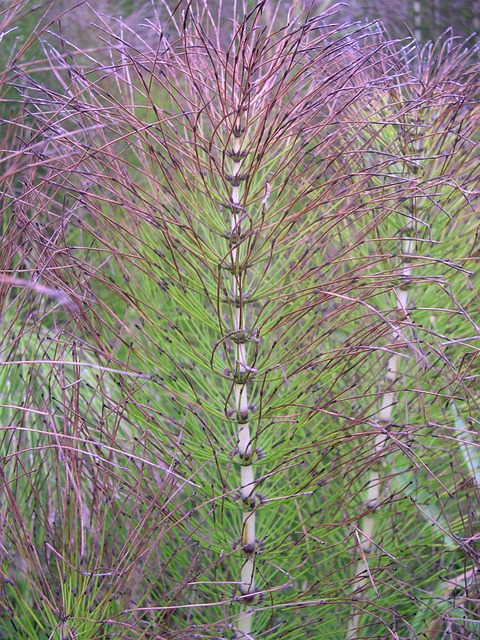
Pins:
x,y
241,375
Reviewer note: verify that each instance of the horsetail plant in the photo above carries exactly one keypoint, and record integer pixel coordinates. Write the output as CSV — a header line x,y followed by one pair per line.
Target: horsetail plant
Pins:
x,y
241,336
375,483
250,138
421,135
236,205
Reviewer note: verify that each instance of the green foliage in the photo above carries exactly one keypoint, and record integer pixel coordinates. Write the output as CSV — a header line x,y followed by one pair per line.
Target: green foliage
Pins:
x,y
223,213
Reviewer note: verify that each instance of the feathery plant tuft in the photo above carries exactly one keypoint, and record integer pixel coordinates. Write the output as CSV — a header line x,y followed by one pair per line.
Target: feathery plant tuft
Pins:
x,y
240,348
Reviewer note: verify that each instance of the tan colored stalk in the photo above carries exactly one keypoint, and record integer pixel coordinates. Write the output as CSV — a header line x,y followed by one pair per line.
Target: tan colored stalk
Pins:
x,y
417,20
241,372
375,484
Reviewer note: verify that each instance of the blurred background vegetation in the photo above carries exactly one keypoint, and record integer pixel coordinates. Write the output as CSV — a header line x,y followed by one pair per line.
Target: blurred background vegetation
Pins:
x,y
425,20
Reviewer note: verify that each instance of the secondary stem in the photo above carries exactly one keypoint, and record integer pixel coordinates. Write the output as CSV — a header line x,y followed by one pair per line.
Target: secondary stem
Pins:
x,y
362,573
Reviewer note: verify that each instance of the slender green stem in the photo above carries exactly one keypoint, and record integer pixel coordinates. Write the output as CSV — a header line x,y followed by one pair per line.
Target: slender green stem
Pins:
x,y
367,530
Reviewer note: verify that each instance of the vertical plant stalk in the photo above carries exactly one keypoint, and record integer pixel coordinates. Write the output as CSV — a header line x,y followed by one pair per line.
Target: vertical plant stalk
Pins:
x,y
375,484
240,376
417,20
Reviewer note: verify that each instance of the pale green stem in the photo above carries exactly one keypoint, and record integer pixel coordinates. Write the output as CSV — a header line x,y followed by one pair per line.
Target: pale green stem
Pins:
x,y
469,446
375,484
244,445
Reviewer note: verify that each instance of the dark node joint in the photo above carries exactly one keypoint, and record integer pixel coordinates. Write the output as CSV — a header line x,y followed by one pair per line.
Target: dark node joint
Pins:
x,y
237,269
237,301
248,598
241,336
258,546
250,501
243,373
242,417
251,597
237,209
241,377
245,459
248,593
237,178
236,156
237,237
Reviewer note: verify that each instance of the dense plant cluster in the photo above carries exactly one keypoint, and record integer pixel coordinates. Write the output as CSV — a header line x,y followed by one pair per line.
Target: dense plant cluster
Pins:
x,y
239,350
